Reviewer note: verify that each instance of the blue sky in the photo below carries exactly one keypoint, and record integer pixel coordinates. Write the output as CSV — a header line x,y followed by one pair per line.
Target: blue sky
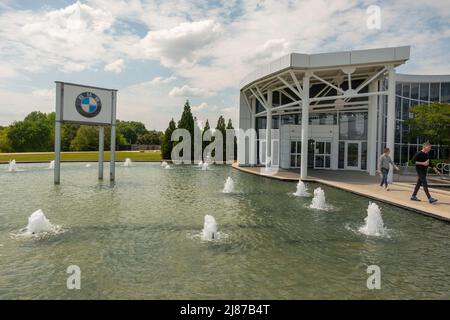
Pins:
x,y
160,53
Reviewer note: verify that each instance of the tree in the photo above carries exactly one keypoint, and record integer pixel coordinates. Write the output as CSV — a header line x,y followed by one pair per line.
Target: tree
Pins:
x,y
431,122
230,127
187,122
86,139
34,133
222,128
150,137
130,130
5,144
167,143
205,128
68,134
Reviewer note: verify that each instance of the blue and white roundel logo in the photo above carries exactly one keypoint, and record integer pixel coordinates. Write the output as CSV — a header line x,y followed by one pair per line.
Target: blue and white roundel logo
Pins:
x,y
88,104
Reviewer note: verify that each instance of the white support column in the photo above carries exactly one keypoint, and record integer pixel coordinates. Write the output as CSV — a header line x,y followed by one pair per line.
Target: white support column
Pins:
x,y
253,140
112,153
372,130
58,119
390,126
380,124
101,148
269,130
305,127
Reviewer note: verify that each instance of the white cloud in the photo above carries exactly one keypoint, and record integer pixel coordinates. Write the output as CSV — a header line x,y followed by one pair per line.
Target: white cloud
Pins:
x,y
162,80
210,47
188,91
199,107
116,66
45,93
179,46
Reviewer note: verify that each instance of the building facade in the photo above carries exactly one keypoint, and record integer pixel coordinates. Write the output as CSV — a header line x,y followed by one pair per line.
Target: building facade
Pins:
x,y
347,106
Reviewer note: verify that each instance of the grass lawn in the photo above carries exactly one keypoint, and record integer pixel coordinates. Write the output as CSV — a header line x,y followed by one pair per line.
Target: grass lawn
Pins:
x,y
80,156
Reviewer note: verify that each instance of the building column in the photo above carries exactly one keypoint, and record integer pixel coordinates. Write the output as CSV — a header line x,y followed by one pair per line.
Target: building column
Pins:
x,y
372,130
253,137
269,130
305,127
390,123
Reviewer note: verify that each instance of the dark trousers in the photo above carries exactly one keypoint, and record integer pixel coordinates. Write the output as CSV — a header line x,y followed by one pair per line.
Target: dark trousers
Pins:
x,y
422,181
384,177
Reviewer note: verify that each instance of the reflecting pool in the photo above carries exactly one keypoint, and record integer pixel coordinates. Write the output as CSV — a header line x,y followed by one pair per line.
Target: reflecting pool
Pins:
x,y
141,238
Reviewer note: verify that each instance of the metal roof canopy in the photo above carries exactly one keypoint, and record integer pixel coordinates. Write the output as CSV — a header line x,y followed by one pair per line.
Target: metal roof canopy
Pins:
x,y
327,64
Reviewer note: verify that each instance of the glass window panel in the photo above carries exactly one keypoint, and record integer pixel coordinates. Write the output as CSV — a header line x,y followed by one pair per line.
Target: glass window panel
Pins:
x,y
434,92
398,107
299,147
287,119
353,126
275,122
293,161
397,153
405,93
276,98
404,154
299,160
445,92
293,144
363,155
352,154
341,155
259,106
414,91
424,91
319,162
397,131
405,109
328,151
327,162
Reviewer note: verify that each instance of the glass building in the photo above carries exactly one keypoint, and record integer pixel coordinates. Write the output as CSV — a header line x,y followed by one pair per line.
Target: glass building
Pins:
x,y
333,110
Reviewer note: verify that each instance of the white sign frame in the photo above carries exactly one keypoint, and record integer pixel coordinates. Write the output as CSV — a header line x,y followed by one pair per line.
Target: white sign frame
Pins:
x,y
69,109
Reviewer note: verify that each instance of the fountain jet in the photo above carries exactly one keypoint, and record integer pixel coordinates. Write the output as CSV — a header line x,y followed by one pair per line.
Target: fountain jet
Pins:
x,y
12,166
301,190
51,165
374,222
318,202
205,166
128,162
229,186
209,232
38,223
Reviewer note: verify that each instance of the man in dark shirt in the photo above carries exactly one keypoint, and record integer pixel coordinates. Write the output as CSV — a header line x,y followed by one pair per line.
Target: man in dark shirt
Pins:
x,y
422,161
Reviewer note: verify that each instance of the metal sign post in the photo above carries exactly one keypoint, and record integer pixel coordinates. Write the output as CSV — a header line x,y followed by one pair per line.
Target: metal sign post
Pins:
x,y
81,104
101,153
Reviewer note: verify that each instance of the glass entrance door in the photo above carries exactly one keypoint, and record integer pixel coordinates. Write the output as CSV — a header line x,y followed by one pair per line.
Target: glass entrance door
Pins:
x,y
352,155
322,154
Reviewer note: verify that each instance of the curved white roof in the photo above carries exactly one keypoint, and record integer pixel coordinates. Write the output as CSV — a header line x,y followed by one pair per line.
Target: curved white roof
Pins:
x,y
422,78
395,56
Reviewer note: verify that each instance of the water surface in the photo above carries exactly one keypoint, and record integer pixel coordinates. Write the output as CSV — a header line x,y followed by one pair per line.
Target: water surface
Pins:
x,y
140,239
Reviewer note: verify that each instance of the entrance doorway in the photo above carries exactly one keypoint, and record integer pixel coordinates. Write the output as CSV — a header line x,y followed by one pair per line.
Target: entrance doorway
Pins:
x,y
352,155
322,154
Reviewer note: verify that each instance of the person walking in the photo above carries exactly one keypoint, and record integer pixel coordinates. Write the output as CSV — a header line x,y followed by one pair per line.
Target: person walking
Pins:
x,y
422,161
384,162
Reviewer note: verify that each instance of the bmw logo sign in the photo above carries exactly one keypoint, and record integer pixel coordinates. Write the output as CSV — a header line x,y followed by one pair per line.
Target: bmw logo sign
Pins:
x,y
88,104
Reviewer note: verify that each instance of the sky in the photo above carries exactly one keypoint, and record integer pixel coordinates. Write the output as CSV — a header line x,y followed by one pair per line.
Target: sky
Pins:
x,y
160,53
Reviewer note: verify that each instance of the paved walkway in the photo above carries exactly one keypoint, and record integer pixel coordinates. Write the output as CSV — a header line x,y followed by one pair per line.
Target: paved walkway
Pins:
x,y
365,185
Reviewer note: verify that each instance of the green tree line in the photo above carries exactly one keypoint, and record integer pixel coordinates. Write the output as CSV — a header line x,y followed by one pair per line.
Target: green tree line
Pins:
x,y
188,122
36,132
